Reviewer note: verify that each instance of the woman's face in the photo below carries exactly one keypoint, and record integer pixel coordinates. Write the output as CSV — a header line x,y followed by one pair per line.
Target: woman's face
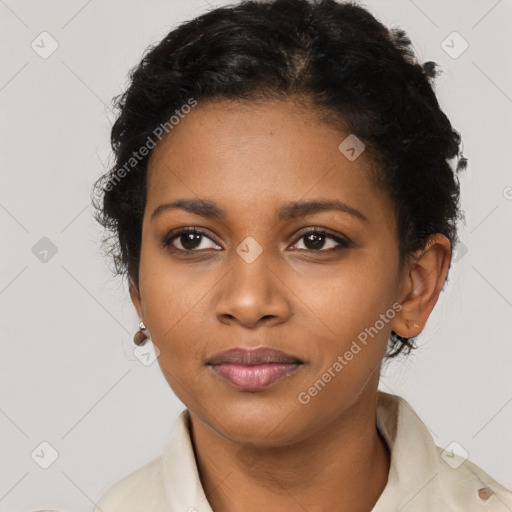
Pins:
x,y
257,277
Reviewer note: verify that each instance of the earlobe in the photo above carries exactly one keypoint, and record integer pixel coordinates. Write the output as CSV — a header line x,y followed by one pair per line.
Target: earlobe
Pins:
x,y
423,280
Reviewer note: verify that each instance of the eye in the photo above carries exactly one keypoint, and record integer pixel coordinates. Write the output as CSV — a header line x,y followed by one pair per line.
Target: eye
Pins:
x,y
190,240
315,239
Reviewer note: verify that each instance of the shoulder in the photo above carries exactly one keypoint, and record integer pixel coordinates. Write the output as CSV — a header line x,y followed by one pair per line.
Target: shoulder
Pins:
x,y
163,480
467,487
139,491
425,477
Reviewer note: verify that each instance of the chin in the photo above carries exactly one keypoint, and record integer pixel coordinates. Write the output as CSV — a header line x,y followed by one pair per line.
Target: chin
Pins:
x,y
262,425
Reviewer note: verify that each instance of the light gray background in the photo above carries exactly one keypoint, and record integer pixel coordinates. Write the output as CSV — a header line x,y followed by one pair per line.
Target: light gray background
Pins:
x,y
68,374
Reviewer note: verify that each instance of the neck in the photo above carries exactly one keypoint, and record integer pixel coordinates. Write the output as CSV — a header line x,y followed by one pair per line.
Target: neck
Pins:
x,y
343,467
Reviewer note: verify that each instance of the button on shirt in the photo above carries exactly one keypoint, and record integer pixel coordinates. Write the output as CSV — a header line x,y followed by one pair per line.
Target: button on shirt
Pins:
x,y
422,476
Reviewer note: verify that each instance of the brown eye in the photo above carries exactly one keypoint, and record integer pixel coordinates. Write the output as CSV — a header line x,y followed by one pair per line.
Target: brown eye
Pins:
x,y
315,240
188,240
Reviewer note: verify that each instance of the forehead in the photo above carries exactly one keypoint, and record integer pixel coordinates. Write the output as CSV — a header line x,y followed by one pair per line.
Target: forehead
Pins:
x,y
254,154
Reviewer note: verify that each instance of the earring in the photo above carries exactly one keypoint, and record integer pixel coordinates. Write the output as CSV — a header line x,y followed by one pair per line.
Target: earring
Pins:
x,y
413,323
140,336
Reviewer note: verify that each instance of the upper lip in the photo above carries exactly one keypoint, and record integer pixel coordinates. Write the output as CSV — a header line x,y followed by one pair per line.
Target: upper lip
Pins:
x,y
247,356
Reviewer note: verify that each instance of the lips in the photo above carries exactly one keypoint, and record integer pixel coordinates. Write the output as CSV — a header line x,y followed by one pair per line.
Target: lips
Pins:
x,y
245,356
253,369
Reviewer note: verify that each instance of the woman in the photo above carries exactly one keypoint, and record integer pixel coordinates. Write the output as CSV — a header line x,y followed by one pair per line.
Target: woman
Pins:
x,y
284,210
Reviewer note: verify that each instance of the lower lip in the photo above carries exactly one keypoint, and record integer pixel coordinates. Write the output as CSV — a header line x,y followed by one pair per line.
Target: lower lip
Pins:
x,y
254,377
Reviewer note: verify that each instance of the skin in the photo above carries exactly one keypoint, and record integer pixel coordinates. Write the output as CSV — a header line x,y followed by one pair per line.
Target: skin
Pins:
x,y
265,450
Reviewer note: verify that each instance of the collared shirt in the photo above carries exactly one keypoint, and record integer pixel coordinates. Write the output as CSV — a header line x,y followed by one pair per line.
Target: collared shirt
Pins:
x,y
422,476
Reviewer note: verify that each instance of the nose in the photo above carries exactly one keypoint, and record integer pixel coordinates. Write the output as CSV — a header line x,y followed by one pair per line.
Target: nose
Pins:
x,y
253,293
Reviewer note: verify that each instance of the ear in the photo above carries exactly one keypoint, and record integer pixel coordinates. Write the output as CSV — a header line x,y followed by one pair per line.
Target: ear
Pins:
x,y
422,281
136,298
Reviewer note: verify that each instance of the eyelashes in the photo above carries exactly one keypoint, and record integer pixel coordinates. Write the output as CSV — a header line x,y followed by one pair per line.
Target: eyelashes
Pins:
x,y
343,243
200,234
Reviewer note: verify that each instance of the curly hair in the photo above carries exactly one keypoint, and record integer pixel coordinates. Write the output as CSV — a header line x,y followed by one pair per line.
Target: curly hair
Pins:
x,y
336,56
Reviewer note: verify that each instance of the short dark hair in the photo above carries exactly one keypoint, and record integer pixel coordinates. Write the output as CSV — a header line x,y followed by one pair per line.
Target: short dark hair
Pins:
x,y
336,56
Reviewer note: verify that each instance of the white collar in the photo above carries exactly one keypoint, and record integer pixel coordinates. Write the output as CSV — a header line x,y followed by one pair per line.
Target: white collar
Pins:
x,y
415,465
419,479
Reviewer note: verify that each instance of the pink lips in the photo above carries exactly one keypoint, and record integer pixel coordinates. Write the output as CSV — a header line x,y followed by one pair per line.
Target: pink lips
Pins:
x,y
253,370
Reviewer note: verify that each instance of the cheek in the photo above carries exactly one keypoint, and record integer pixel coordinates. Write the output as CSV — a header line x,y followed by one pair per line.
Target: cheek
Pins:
x,y
350,298
356,315
171,290
174,309
181,352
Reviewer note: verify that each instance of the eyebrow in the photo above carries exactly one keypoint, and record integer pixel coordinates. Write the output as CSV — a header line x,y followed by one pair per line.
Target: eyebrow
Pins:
x,y
289,211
